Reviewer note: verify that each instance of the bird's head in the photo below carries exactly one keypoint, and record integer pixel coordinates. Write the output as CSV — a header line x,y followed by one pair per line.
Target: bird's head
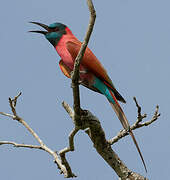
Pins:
x,y
53,32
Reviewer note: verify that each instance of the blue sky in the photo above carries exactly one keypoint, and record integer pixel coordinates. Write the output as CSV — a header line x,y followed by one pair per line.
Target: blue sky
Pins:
x,y
132,40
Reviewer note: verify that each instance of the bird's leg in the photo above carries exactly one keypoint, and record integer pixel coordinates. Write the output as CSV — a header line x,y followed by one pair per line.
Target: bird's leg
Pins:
x,y
80,72
83,72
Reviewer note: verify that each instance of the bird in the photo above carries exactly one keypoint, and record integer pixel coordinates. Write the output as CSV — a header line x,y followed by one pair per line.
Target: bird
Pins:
x,y
92,73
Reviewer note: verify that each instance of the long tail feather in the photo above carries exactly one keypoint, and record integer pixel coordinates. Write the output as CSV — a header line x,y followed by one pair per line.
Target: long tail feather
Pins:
x,y
119,112
136,144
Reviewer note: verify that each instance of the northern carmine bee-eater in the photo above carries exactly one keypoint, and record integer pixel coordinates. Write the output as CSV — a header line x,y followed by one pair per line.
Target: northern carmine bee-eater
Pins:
x,y
92,73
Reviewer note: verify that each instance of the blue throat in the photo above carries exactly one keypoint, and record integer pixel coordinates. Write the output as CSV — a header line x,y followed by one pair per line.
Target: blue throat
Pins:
x,y
54,37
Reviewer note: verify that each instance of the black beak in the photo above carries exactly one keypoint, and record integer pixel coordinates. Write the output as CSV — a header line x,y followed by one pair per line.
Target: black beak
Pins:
x,y
42,25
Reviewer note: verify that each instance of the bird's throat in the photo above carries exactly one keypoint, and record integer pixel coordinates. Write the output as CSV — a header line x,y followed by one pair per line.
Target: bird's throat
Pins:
x,y
54,37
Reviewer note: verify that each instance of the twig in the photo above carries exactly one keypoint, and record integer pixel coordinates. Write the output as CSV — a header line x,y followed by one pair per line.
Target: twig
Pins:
x,y
68,109
140,117
15,99
63,166
12,103
63,152
137,124
20,145
8,115
71,142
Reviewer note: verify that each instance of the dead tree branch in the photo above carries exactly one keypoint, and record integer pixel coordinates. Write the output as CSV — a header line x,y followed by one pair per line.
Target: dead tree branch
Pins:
x,y
20,145
75,75
137,124
63,166
102,146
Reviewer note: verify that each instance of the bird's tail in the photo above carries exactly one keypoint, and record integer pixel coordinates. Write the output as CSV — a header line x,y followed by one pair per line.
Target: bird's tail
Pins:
x,y
119,112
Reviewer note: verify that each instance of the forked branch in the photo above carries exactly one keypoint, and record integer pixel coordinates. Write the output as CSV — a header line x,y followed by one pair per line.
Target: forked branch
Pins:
x,y
137,124
63,166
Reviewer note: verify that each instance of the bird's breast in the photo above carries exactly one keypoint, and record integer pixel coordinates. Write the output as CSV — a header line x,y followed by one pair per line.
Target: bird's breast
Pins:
x,y
85,75
64,53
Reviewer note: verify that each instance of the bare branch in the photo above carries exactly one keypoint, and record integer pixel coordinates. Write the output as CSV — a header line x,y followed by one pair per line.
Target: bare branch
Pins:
x,y
71,142
8,115
97,135
20,145
63,152
75,75
16,98
68,109
137,124
140,117
62,165
12,103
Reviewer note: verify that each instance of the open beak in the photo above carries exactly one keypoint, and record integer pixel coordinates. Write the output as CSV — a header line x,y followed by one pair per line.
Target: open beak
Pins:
x,y
42,25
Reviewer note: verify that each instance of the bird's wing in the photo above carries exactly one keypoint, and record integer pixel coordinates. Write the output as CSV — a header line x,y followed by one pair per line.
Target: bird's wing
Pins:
x,y
90,62
66,70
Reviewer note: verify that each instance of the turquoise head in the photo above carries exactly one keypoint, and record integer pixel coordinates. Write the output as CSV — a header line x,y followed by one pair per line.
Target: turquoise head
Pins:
x,y
53,32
